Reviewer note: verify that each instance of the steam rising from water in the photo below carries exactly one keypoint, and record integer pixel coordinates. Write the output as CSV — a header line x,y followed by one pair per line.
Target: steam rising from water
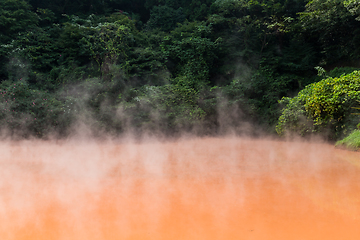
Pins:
x,y
205,188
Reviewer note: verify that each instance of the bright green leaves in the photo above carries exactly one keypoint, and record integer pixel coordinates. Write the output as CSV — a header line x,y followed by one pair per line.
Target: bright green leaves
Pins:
x,y
353,6
326,103
331,98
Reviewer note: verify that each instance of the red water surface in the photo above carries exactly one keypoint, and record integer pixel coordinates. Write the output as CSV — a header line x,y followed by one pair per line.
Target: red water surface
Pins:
x,y
205,188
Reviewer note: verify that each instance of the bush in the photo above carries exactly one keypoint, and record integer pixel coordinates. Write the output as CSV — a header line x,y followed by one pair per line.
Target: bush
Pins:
x,y
351,142
293,118
25,111
327,104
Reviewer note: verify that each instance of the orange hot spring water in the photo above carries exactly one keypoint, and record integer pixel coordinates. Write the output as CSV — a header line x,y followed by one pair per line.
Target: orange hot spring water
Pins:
x,y
204,188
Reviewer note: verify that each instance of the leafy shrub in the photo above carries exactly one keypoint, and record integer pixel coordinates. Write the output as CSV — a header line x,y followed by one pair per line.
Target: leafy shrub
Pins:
x,y
351,142
293,118
25,111
326,103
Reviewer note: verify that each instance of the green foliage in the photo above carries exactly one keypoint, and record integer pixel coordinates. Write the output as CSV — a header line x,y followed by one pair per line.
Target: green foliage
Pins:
x,y
353,7
46,17
327,103
351,142
30,112
146,62
186,63
191,53
192,9
338,72
258,92
197,9
333,27
262,33
330,99
84,7
294,118
262,8
163,108
37,46
15,16
107,44
165,18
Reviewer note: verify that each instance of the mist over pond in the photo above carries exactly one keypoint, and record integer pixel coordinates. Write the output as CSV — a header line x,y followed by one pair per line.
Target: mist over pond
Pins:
x,y
200,188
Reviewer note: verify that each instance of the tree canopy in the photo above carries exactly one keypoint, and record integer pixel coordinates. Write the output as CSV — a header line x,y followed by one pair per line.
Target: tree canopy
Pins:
x,y
168,66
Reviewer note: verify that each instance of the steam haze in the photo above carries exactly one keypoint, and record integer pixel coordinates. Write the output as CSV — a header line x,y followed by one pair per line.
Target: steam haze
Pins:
x,y
200,188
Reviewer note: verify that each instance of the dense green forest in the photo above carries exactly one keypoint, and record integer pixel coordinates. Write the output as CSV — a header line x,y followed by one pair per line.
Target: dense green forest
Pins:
x,y
168,66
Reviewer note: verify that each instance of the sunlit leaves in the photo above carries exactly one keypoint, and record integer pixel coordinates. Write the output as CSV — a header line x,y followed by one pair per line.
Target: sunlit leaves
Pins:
x,y
326,103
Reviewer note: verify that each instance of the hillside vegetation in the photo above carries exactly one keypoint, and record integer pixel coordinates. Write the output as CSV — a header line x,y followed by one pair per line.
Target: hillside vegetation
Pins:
x,y
161,66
